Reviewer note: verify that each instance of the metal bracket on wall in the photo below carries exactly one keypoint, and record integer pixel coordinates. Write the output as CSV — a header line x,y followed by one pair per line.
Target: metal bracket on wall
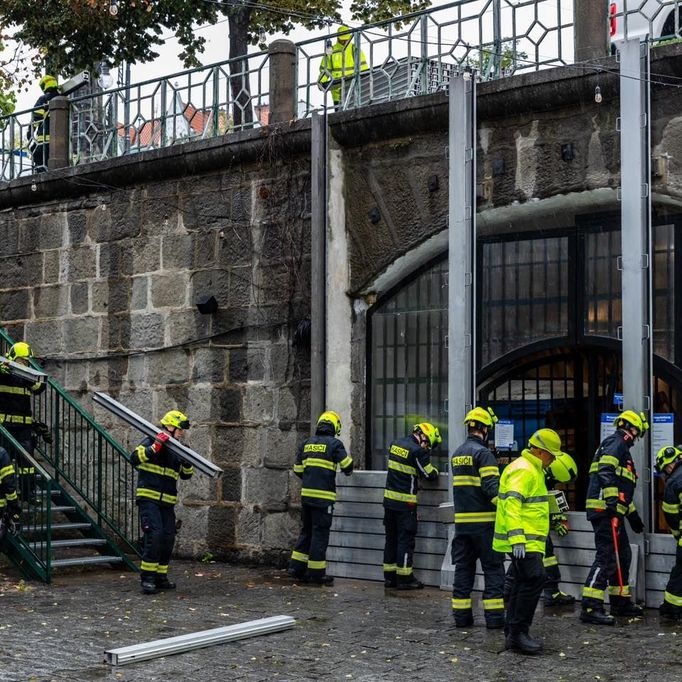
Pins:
x,y
148,429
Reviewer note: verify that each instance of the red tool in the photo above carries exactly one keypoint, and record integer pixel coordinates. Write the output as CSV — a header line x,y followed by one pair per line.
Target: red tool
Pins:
x,y
614,530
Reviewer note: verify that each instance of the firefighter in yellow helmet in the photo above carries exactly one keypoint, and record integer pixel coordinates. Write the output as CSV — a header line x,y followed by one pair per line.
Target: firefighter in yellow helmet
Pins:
x,y
475,483
668,462
39,133
610,493
408,460
521,530
16,413
158,470
317,461
340,63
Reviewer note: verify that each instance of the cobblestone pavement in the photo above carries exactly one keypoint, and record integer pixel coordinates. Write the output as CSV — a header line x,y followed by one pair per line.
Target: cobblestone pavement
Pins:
x,y
352,631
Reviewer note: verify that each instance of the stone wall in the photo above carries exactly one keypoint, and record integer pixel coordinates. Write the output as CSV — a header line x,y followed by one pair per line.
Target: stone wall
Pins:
x,y
101,277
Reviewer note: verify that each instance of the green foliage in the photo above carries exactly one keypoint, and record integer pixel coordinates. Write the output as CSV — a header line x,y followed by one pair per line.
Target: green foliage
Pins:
x,y
485,63
8,98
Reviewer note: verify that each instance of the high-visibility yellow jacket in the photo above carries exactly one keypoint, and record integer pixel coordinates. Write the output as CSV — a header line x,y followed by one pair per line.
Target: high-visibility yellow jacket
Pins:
x,y
338,64
523,508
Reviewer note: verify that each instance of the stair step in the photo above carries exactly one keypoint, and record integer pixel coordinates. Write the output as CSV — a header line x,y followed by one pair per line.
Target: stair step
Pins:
x,y
55,526
85,560
78,542
62,508
42,493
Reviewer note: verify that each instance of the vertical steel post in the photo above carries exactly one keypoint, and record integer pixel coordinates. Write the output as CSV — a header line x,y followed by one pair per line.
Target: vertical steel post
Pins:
x,y
497,41
637,262
318,267
461,251
424,28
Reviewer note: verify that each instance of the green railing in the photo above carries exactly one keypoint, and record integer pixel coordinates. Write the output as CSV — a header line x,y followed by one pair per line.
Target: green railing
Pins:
x,y
31,547
86,462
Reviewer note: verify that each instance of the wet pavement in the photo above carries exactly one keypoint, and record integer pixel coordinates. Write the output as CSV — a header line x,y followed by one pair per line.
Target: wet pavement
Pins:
x,y
352,631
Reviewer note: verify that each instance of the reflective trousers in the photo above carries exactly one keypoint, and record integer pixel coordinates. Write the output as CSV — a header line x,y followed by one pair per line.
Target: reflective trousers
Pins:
x,y
525,592
673,590
604,573
552,571
310,552
401,531
466,550
25,471
158,525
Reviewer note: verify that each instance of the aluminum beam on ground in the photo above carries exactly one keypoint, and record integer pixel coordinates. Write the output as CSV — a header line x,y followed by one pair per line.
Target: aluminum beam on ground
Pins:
x,y
148,429
23,372
197,640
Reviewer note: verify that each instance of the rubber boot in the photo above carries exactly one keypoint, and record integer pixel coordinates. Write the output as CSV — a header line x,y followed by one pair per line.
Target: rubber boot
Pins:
x,y
596,616
164,584
557,599
390,581
463,619
670,612
496,623
409,582
625,607
148,586
297,575
325,580
523,643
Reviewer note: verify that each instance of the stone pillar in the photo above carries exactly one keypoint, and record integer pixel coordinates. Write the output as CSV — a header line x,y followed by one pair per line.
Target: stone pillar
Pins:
x,y
282,81
591,30
59,133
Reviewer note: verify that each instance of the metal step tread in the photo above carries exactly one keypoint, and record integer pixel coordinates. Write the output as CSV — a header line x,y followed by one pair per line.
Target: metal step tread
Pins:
x,y
78,542
84,560
56,526
62,508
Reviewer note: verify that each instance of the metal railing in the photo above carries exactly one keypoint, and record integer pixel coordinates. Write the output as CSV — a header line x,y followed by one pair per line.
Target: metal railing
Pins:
x,y
16,158
658,20
86,461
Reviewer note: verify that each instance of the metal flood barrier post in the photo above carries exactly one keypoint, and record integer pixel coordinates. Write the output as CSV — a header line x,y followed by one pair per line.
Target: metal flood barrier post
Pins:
x,y
197,640
148,429
23,372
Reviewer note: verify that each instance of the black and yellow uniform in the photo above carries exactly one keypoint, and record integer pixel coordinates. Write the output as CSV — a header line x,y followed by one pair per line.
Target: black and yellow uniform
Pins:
x,y
39,141
610,491
407,462
672,498
317,461
8,484
16,415
156,495
476,481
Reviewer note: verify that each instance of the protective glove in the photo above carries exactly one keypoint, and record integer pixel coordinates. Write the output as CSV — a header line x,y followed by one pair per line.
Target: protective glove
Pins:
x,y
519,551
636,522
612,511
160,440
559,524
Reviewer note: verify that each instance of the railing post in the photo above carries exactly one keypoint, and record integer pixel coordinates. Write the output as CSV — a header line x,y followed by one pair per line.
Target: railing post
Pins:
x,y
357,61
59,133
100,494
11,146
163,132
215,108
56,433
282,54
424,28
497,40
591,32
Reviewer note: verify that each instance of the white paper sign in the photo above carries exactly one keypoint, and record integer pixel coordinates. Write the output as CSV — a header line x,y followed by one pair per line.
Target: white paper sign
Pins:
x,y
504,434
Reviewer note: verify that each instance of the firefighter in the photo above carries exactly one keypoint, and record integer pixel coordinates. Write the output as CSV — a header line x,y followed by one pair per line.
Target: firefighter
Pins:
x,y
668,462
339,65
562,470
10,512
408,460
521,530
317,461
16,412
156,496
610,493
39,133
475,483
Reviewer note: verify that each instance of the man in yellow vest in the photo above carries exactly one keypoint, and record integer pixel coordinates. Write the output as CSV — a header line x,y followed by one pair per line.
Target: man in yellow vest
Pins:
x,y
339,65
521,530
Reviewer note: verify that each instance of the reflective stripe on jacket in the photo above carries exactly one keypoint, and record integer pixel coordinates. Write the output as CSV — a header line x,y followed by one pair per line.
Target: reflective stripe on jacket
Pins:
x,y
522,507
317,462
8,480
16,399
672,499
158,473
407,462
612,477
475,484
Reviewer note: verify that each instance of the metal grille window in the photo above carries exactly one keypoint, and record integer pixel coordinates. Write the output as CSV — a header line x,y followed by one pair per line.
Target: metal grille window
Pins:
x,y
603,313
664,291
524,294
409,363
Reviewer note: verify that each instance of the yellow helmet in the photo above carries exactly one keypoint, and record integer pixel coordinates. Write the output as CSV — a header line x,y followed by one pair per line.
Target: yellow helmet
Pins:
x,y
19,350
175,419
639,421
47,82
548,440
564,469
665,456
344,33
430,431
332,418
480,415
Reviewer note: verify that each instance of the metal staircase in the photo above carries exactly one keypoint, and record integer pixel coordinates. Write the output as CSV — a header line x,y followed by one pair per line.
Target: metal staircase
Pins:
x,y
78,505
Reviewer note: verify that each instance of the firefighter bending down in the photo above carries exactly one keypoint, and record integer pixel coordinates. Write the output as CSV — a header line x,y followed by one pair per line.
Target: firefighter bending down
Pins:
x,y
668,462
475,484
610,494
408,460
317,461
157,493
